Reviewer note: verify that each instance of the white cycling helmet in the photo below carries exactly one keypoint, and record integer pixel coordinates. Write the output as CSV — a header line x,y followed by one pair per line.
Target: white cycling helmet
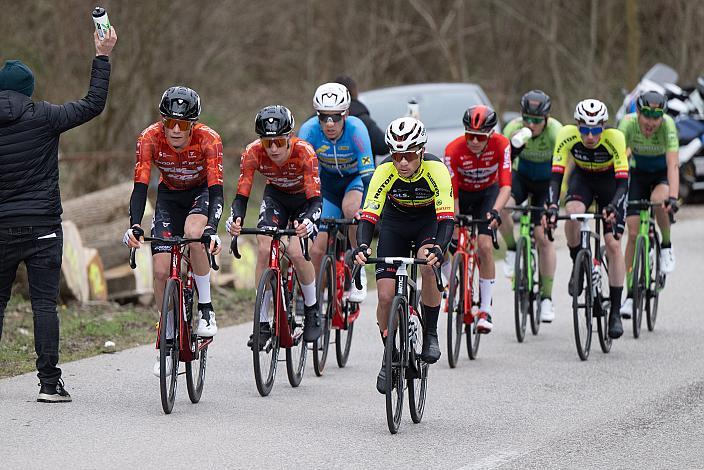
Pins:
x,y
404,134
591,112
331,97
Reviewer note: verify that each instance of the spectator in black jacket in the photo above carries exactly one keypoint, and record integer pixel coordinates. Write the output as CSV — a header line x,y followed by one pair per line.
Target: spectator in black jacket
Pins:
x,y
358,109
30,203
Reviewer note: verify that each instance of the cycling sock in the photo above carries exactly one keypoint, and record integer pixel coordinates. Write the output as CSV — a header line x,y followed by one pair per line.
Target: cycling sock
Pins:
x,y
573,252
665,242
485,287
203,285
309,294
431,318
546,287
510,241
615,295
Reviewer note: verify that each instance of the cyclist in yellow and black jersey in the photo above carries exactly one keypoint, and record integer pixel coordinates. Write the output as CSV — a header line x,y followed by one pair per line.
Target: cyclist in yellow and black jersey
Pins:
x,y
601,175
412,192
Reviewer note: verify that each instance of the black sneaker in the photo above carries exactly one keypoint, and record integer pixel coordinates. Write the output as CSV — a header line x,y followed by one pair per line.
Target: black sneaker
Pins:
x,y
312,327
264,335
615,326
53,393
381,379
431,348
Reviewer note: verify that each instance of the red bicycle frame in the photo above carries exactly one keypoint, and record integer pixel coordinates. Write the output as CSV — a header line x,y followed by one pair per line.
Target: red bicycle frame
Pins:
x,y
467,249
286,340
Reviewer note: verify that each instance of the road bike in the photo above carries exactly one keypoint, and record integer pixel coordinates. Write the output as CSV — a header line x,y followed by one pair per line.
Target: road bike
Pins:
x,y
180,344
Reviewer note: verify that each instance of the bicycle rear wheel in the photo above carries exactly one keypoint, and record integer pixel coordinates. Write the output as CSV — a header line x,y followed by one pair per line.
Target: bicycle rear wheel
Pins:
x,y
343,337
470,329
327,297
582,302
657,282
639,285
265,348
417,372
169,345
455,310
396,354
296,354
521,293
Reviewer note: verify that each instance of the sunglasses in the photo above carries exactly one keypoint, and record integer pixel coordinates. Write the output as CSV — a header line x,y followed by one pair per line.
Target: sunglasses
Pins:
x,y
591,130
533,119
280,142
337,117
410,156
476,136
183,125
652,113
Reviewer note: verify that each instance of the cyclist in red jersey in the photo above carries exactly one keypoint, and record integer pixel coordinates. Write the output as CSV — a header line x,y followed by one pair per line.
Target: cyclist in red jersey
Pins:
x,y
480,167
292,193
189,196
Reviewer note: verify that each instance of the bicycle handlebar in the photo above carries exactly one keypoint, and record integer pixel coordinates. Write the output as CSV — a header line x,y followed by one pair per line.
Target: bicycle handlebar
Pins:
x,y
397,260
525,208
271,232
333,221
583,216
464,220
171,241
644,204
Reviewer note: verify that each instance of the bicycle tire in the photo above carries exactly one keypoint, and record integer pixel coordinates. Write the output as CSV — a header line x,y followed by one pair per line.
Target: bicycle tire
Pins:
x,y
521,294
581,280
168,351
657,283
604,306
296,354
195,370
639,285
343,337
327,297
265,356
455,311
470,329
417,372
535,311
395,362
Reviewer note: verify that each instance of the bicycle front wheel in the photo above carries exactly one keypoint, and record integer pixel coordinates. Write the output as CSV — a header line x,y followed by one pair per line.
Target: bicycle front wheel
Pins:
x,y
602,304
395,356
639,285
169,345
265,342
296,354
471,318
417,372
582,302
195,370
327,297
343,336
521,292
455,310
657,283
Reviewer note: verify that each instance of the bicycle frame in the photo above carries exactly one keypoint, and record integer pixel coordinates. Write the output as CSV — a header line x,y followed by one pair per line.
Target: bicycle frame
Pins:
x,y
467,249
525,232
337,246
286,340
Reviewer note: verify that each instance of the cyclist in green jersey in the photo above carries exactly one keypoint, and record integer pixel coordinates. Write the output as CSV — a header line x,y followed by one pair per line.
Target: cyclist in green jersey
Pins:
x,y
653,146
533,137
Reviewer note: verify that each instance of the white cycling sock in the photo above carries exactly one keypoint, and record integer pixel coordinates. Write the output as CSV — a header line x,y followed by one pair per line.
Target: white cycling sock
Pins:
x,y
485,287
309,294
266,304
203,285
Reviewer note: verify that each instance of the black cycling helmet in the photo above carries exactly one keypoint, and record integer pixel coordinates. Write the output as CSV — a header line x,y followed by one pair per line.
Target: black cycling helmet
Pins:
x,y
272,121
535,103
180,102
480,118
652,99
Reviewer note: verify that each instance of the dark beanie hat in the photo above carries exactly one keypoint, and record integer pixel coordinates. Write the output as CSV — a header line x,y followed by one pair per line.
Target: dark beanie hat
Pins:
x,y
16,76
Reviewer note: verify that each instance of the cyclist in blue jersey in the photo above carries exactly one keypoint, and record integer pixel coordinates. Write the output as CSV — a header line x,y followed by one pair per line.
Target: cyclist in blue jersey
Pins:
x,y
345,163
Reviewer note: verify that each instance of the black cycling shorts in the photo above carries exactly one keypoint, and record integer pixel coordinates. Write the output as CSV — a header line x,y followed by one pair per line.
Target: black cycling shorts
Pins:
x,y
172,209
398,232
477,204
600,187
641,184
522,188
279,209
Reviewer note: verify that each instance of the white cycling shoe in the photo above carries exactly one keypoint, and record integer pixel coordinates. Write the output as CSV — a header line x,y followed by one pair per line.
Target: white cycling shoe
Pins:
x,y
358,295
157,367
627,308
509,263
207,327
547,311
667,260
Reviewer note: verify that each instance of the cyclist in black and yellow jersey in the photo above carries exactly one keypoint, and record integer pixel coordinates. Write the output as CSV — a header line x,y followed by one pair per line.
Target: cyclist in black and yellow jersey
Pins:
x,y
411,190
601,175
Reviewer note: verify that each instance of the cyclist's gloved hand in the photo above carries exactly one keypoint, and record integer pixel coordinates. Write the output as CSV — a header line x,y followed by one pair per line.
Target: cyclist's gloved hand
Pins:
x,y
671,204
132,236
452,247
494,218
215,244
434,255
551,216
610,213
305,228
360,254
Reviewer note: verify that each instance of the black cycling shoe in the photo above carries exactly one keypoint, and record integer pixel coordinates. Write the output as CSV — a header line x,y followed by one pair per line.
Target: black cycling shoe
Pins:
x,y
53,393
381,379
264,335
615,326
312,326
431,348
570,289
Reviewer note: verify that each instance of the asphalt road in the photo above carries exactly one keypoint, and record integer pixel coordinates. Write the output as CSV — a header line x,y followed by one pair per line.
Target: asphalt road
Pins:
x,y
530,405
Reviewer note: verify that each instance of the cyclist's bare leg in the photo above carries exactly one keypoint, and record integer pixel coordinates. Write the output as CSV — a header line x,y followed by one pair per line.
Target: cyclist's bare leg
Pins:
x,y
385,291
660,193
263,249
430,296
487,269
572,226
304,269
162,269
633,225
617,265
351,203
546,249
506,227
318,249
193,228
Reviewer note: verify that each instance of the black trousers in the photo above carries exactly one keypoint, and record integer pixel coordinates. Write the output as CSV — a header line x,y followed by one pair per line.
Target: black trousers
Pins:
x,y
41,252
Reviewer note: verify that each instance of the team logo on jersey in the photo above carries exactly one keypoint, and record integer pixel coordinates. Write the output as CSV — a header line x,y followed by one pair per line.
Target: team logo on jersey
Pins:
x,y
372,205
366,161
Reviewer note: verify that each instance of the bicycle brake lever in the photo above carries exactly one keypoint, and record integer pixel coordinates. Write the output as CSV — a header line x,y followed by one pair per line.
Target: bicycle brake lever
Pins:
x,y
133,261
233,248
355,275
438,279
494,240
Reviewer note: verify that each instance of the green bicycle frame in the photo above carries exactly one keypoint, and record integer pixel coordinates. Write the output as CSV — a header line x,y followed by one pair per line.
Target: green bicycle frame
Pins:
x,y
643,234
524,231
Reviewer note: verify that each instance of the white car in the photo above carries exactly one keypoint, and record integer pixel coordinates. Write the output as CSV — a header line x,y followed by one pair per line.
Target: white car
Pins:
x,y
439,105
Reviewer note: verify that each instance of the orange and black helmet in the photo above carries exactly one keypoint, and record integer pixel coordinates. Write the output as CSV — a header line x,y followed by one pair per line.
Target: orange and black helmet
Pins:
x,y
480,118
